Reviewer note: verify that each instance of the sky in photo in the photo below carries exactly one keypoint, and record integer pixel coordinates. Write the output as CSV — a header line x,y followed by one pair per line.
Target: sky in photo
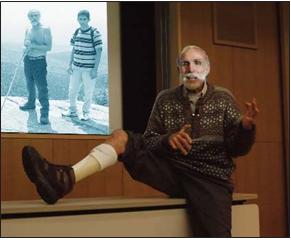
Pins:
x,y
61,17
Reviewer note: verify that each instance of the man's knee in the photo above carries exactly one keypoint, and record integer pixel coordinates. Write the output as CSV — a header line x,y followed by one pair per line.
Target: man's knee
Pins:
x,y
118,140
119,134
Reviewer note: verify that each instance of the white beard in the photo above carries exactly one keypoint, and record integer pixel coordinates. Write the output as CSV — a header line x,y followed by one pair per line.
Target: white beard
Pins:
x,y
193,84
35,23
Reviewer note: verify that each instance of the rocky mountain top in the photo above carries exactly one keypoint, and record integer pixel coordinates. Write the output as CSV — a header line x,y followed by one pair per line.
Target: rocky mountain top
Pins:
x,y
13,120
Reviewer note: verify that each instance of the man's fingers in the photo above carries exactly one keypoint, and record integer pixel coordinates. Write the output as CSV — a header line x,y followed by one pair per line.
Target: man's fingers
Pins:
x,y
186,127
181,140
173,145
251,113
248,105
181,143
252,109
177,145
184,141
185,134
254,106
180,147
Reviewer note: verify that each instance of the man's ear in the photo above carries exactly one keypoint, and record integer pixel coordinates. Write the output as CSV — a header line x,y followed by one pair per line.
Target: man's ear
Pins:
x,y
178,69
207,70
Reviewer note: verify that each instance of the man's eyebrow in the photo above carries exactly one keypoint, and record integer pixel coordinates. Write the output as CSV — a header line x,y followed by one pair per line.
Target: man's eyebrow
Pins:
x,y
195,59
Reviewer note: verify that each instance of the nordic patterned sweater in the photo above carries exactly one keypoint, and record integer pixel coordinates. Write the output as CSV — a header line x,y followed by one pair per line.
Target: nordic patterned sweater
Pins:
x,y
217,133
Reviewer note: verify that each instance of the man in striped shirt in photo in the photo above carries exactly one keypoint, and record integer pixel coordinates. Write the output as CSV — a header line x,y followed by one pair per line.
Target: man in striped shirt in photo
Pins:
x,y
84,63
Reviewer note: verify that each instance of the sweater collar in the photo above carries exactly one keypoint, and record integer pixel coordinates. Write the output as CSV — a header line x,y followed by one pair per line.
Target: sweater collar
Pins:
x,y
183,97
196,95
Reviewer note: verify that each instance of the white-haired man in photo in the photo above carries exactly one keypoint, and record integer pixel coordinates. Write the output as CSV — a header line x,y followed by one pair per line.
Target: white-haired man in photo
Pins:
x,y
37,42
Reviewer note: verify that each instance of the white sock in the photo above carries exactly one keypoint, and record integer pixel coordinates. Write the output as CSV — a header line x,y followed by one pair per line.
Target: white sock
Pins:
x,y
99,158
105,154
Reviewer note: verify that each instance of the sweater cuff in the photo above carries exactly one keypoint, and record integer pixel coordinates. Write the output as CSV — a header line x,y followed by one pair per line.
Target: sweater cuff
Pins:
x,y
246,135
164,144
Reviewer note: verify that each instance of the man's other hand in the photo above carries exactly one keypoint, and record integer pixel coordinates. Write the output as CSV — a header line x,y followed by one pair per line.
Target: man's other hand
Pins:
x,y
181,140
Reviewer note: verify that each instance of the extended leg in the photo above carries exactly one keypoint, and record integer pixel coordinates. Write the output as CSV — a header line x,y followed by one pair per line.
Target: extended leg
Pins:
x,y
102,156
55,181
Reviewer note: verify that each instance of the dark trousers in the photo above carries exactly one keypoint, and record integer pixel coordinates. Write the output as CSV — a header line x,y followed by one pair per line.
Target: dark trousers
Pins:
x,y
208,200
35,74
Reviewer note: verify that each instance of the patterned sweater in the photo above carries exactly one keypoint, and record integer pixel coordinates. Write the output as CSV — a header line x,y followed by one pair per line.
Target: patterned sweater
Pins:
x,y
216,130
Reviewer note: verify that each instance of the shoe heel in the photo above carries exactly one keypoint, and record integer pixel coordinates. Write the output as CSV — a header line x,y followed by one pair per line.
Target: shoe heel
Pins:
x,y
49,197
27,167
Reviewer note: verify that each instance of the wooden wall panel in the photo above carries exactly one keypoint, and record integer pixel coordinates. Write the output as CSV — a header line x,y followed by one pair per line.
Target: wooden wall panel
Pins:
x,y
227,16
196,26
221,73
285,58
14,183
196,29
268,82
252,80
259,172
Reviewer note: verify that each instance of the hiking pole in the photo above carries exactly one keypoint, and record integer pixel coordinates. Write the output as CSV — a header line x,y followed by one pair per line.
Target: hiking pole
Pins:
x,y
13,79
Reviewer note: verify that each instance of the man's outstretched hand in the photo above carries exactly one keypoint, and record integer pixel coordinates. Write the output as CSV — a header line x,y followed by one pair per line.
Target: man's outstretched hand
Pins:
x,y
249,117
181,140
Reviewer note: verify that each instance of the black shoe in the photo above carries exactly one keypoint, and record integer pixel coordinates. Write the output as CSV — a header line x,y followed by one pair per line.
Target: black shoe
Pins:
x,y
27,107
44,120
52,181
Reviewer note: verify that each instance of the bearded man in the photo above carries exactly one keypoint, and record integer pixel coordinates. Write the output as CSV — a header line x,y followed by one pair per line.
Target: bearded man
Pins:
x,y
38,41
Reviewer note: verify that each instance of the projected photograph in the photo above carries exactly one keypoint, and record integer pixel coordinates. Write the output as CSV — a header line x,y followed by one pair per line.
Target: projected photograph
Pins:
x,y
54,68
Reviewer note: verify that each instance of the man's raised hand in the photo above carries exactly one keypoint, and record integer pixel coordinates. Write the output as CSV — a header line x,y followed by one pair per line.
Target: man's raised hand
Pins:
x,y
252,111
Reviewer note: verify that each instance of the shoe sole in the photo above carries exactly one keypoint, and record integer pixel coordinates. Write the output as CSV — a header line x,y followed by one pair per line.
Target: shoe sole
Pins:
x,y
44,189
73,115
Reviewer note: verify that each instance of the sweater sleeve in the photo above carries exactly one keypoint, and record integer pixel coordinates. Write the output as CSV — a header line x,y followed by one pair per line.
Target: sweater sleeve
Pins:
x,y
155,136
238,140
